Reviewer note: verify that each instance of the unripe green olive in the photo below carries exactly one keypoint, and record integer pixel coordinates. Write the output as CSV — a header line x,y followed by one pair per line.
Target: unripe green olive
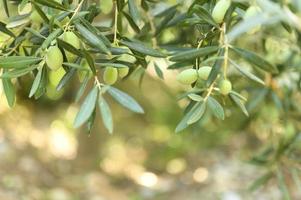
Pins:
x,y
225,87
26,9
73,40
35,17
110,75
187,76
54,58
123,72
251,12
204,72
220,10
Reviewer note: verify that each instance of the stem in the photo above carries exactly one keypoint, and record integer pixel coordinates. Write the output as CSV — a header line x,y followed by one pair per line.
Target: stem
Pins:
x,y
75,12
115,24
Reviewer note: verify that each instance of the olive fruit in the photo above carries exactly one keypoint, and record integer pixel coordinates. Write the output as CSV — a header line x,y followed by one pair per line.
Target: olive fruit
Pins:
x,y
122,72
225,87
73,40
220,10
110,75
35,17
251,12
26,9
54,58
187,76
204,72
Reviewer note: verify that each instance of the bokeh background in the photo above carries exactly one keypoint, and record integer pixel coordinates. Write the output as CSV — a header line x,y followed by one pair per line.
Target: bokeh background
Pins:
x,y
43,157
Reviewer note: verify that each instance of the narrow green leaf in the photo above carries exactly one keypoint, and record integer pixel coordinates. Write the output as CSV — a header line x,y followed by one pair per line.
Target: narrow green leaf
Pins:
x,y
134,11
238,102
158,71
9,91
18,72
36,82
260,181
246,73
86,108
82,88
197,113
18,61
216,68
184,122
125,100
255,59
93,39
193,54
141,48
66,78
216,108
106,114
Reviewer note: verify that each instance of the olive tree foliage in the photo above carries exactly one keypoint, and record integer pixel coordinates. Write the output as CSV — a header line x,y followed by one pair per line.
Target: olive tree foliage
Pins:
x,y
206,44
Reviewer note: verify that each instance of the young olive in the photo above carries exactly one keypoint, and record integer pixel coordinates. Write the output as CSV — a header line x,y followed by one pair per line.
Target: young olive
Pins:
x,y
123,72
225,87
220,10
204,72
54,58
187,76
73,40
110,75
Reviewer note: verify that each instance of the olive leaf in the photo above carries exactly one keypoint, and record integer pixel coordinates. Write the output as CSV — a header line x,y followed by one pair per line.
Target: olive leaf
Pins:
x,y
86,108
9,91
106,114
141,48
18,61
255,59
193,53
125,100
216,108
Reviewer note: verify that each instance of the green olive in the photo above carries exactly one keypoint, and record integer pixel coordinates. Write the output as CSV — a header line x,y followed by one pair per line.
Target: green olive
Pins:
x,y
225,87
123,72
251,12
54,58
73,40
187,76
110,75
204,72
220,10
26,9
35,17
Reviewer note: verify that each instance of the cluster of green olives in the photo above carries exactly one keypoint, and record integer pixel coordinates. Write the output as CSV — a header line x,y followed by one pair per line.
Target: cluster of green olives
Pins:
x,y
110,75
190,76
